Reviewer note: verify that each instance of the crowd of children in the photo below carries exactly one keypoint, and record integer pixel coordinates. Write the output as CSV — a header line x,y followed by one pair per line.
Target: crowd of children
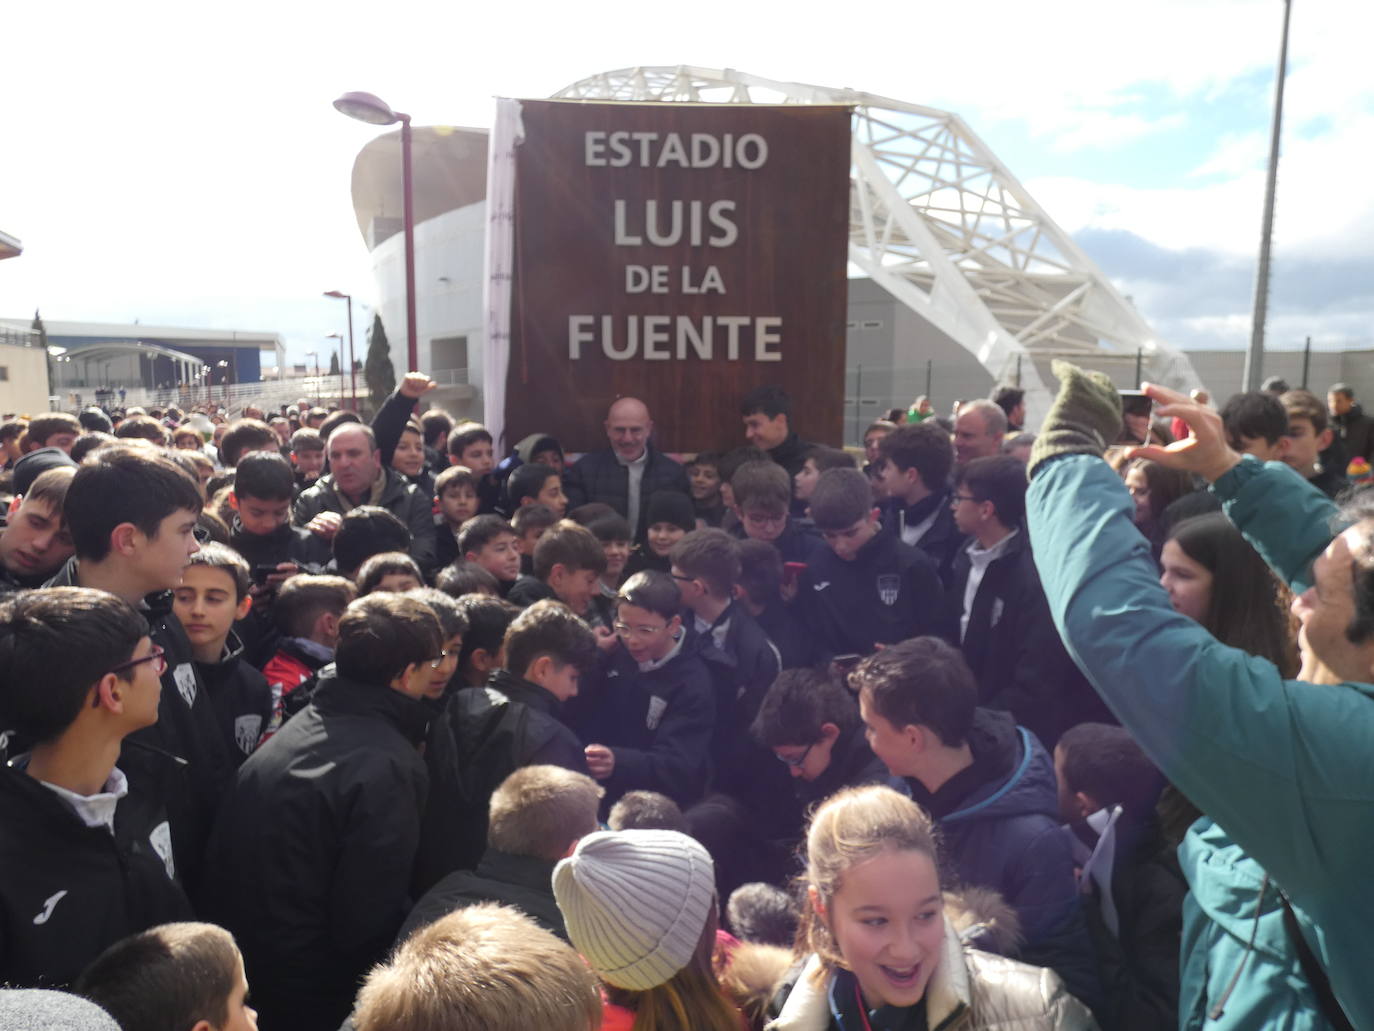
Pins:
x,y
313,723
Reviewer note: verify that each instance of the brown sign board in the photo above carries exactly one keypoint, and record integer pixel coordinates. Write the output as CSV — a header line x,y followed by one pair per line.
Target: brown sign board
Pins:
x,y
682,254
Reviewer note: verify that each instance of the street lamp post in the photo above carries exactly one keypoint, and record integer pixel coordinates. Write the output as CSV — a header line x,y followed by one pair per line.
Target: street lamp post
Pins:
x,y
316,356
352,362
367,108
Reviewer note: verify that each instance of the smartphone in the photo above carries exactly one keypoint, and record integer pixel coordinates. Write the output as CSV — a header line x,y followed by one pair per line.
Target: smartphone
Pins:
x,y
262,572
792,571
1137,412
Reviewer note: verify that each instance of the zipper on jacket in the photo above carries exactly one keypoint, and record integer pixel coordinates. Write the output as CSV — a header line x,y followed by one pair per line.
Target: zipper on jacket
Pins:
x,y
1215,1013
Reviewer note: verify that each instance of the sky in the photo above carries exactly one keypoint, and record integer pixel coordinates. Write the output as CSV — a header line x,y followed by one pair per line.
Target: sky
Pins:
x,y
182,165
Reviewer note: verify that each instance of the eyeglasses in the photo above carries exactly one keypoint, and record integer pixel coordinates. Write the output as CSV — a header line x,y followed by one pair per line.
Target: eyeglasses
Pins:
x,y
797,762
443,655
763,519
684,579
625,630
157,657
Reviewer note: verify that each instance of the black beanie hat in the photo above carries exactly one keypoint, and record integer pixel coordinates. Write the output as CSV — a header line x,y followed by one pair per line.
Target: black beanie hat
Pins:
x,y
670,506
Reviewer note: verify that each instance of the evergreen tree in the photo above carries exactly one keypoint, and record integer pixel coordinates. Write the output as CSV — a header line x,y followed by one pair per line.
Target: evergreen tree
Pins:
x,y
377,370
42,332
334,364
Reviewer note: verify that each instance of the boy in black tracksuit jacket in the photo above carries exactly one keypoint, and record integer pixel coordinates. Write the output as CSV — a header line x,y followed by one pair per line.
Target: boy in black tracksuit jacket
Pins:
x,y
82,863
483,735
868,587
743,663
187,730
242,699
650,714
212,595
312,855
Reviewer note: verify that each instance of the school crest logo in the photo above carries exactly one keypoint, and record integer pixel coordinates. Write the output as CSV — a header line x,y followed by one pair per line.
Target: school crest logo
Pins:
x,y
247,730
185,677
657,706
161,841
889,587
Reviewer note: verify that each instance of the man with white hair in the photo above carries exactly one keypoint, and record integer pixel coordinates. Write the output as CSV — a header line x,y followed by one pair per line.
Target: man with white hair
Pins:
x,y
978,431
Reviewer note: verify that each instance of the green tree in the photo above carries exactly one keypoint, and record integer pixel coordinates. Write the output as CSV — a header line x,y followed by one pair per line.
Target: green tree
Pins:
x,y
334,364
377,370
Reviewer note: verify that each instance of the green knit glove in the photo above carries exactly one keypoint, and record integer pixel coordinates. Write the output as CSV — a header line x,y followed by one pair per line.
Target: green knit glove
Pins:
x,y
1084,419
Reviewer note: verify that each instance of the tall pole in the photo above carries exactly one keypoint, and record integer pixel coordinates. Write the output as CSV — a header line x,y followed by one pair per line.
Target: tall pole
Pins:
x,y
352,365
1254,358
408,215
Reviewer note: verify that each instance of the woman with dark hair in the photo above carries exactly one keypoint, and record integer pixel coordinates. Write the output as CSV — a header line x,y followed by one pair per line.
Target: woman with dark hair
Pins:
x,y
1215,577
1154,488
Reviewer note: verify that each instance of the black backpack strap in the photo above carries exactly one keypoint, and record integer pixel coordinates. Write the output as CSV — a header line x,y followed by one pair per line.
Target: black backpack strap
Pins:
x,y
1313,970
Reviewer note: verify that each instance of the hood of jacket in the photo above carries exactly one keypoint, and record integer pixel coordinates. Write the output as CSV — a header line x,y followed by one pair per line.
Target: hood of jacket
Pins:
x,y
518,689
1012,775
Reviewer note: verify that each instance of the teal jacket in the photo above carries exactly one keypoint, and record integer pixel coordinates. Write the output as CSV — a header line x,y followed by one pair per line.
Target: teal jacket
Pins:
x,y
1286,767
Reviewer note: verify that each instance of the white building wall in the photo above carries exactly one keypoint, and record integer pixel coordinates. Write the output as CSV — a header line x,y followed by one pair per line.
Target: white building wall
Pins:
x,y
449,252
23,380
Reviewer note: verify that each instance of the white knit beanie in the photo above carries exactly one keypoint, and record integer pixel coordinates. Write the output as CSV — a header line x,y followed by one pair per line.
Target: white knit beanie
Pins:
x,y
635,903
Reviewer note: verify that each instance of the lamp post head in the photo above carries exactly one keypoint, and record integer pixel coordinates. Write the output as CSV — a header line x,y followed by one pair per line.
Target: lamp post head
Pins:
x,y
336,293
368,108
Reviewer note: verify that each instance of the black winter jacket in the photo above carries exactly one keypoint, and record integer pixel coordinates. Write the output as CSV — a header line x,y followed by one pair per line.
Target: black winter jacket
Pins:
x,y
241,697
187,727
482,736
67,891
783,624
942,541
791,454
1356,432
658,723
1140,963
852,765
798,542
888,593
399,497
1014,650
525,882
287,544
999,828
599,476
527,590
312,855
742,669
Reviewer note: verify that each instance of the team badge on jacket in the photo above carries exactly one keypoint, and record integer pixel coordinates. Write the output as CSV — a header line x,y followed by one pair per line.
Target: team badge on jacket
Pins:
x,y
247,730
185,677
657,707
889,586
